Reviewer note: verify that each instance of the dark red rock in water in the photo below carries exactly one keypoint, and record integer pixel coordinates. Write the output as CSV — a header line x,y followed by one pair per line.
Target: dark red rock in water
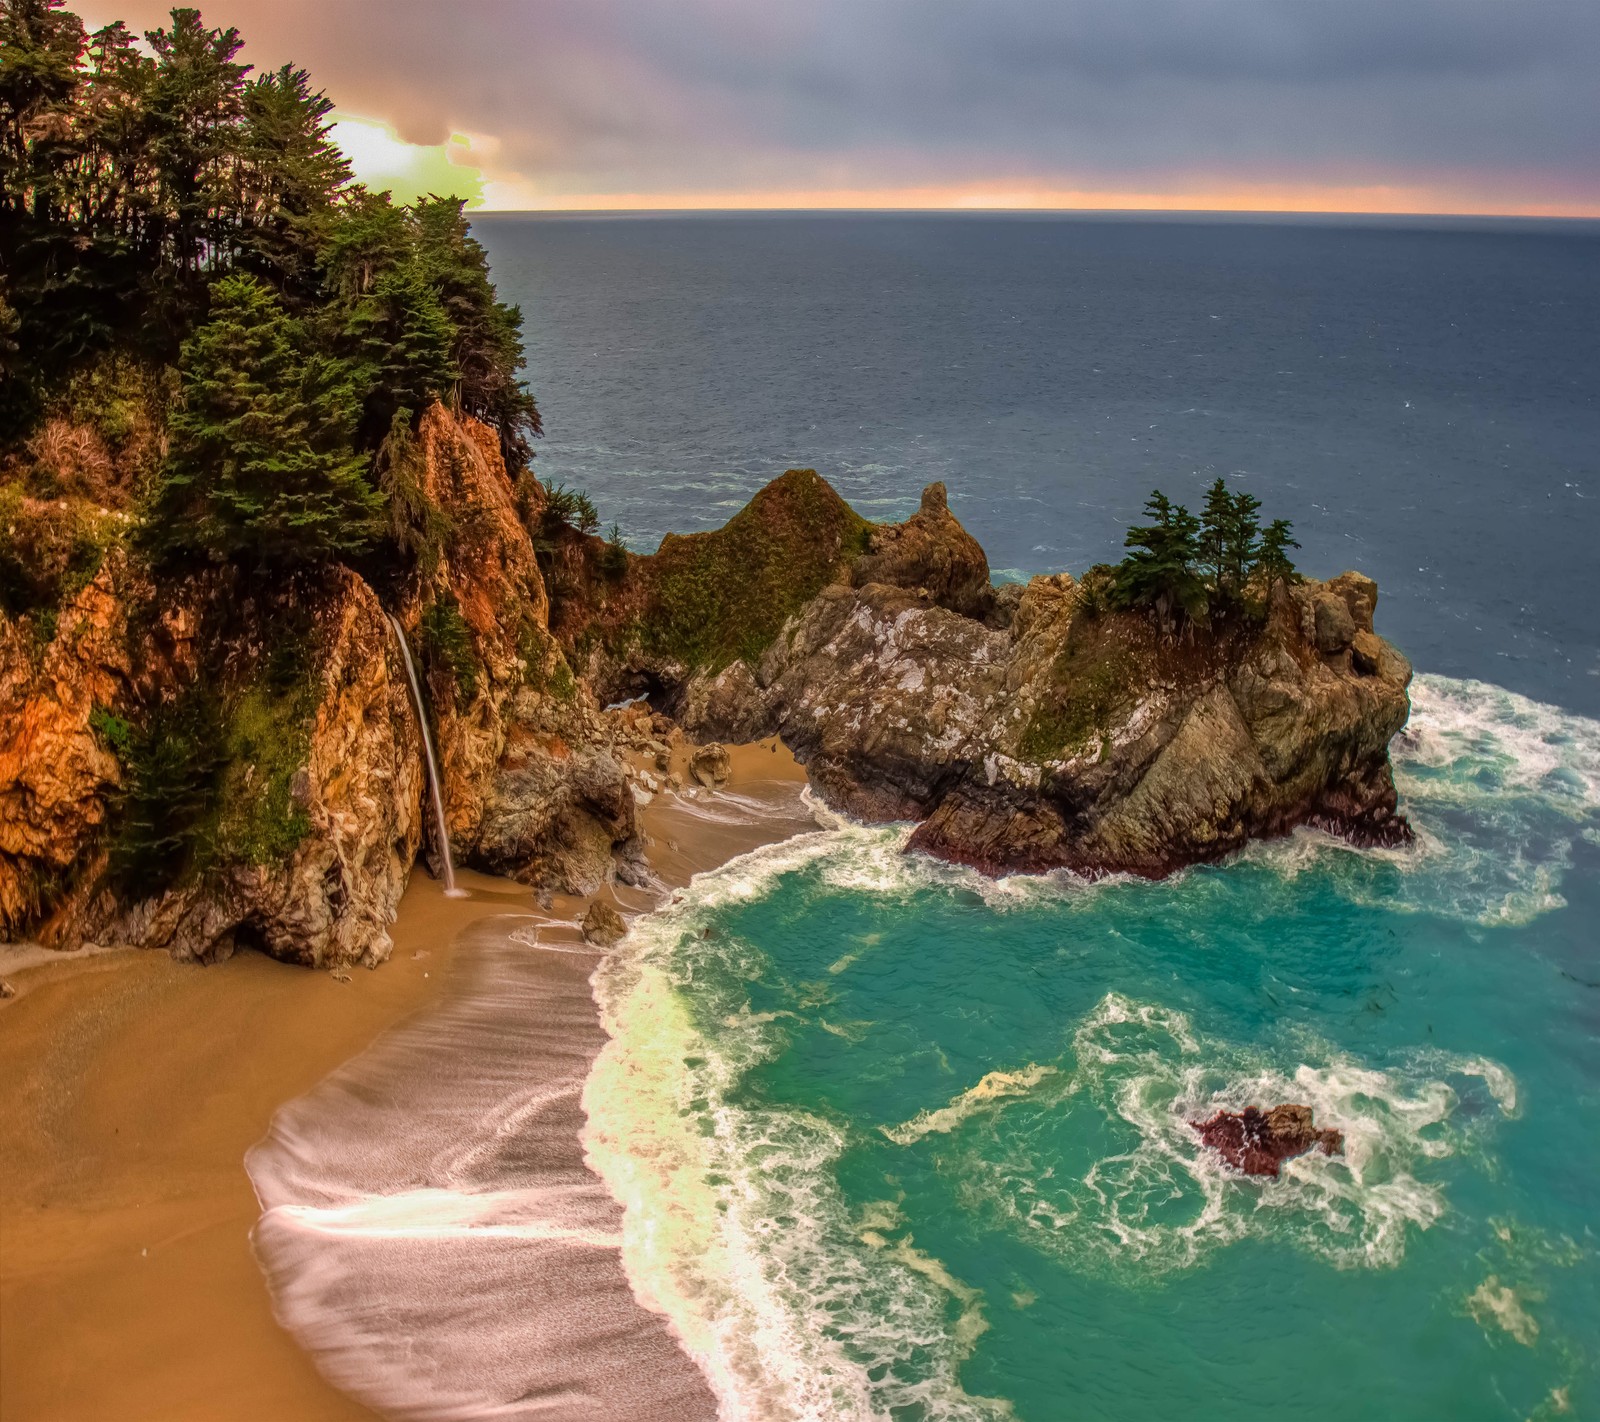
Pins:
x,y
1255,1141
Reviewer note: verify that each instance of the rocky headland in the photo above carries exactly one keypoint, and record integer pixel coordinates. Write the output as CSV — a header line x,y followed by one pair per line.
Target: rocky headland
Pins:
x,y
1026,728
225,762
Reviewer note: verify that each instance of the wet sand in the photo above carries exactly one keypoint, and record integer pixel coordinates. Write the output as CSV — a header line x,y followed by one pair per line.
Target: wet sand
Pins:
x,y
134,1087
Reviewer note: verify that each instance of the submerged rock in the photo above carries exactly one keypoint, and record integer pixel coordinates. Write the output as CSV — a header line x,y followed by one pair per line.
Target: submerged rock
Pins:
x,y
1257,1142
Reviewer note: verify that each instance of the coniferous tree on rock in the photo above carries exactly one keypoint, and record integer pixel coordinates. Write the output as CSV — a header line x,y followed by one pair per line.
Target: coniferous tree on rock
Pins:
x,y
261,468
1272,563
1161,570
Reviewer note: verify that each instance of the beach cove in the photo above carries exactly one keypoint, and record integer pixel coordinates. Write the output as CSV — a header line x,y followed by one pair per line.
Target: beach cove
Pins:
x,y
129,1284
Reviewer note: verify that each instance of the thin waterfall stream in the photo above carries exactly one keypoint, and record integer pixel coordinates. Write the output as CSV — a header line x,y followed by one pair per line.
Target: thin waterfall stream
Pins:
x,y
433,765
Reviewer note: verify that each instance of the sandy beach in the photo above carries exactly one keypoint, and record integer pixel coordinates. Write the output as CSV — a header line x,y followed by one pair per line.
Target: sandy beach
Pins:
x,y
135,1086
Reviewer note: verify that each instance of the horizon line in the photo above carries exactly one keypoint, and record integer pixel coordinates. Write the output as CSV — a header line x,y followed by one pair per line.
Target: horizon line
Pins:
x,y
967,210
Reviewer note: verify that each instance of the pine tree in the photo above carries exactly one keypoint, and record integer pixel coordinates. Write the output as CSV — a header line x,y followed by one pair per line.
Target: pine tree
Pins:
x,y
293,175
261,468
1272,563
40,47
193,108
400,344
1160,570
1242,544
367,236
488,349
1214,522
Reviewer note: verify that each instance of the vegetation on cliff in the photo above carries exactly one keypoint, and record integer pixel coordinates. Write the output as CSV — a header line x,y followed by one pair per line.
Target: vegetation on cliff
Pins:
x,y
1187,567
161,210
720,596
218,360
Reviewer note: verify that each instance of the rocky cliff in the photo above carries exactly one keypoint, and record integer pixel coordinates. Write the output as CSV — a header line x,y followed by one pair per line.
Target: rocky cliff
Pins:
x,y
205,763
1037,728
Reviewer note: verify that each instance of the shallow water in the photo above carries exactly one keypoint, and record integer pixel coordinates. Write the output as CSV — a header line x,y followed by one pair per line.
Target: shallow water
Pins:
x,y
896,1141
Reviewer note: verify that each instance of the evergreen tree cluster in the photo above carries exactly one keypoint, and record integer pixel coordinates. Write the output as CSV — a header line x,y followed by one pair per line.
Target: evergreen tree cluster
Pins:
x,y
160,203
1187,567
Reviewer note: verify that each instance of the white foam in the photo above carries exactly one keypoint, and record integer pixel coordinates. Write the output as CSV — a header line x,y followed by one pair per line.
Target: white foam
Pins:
x,y
734,1226
1494,785
1142,1073
1467,740
1497,1305
994,1087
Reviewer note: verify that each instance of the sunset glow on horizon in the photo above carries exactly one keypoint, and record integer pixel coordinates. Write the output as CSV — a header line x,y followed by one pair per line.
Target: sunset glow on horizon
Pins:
x,y
1429,107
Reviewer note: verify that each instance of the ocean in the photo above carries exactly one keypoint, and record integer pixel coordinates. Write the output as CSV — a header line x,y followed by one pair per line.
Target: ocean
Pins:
x,y
898,1141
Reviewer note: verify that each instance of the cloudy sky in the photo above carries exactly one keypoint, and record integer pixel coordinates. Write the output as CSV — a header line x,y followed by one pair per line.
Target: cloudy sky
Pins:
x,y
1375,105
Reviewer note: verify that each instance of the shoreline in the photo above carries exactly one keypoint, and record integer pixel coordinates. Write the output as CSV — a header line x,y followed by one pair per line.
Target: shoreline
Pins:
x,y
139,1084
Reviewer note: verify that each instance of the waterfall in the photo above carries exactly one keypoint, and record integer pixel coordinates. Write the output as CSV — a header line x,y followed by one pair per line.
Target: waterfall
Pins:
x,y
433,766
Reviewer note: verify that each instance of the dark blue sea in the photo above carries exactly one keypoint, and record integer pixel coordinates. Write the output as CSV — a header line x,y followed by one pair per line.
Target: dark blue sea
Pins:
x,y
1422,402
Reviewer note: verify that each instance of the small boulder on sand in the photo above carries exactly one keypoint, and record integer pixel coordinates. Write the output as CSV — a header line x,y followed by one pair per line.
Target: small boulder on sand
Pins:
x,y
603,925
711,765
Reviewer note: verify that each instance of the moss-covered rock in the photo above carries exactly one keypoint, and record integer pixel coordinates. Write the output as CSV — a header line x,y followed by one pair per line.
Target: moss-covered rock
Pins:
x,y
708,599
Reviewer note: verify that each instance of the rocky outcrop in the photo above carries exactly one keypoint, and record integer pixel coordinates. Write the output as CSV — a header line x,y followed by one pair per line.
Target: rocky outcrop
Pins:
x,y
1040,729
1133,755
932,554
1027,729
532,788
711,765
706,602
306,814
603,925
1257,1142
56,773
358,793
559,810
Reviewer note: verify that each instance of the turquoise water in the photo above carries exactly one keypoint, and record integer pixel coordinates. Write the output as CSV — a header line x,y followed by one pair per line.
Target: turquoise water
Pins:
x,y
898,1141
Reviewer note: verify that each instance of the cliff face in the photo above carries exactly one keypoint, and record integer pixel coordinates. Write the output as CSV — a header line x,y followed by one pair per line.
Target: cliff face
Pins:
x,y
216,764
1033,728
355,797
55,773
532,786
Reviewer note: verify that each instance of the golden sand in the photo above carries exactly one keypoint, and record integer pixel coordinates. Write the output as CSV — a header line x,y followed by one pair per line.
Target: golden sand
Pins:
x,y
133,1088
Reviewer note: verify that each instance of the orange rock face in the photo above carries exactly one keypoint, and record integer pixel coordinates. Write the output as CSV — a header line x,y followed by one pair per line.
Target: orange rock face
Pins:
x,y
55,773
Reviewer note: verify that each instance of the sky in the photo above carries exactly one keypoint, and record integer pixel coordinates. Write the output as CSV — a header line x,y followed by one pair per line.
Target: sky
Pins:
x,y
1463,106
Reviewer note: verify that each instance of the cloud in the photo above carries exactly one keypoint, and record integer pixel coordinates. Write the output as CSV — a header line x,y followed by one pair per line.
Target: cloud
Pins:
x,y
384,160
1489,101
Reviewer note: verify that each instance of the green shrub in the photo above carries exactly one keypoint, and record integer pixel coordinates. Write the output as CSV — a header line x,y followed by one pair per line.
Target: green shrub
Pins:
x,y
565,510
447,646
614,560
1093,680
208,779
172,766
418,528
49,552
115,732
